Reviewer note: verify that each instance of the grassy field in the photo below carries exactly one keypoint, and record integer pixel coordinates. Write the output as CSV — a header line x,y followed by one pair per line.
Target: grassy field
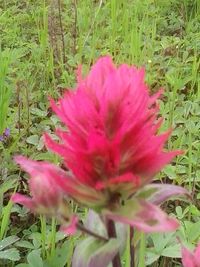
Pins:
x,y
41,45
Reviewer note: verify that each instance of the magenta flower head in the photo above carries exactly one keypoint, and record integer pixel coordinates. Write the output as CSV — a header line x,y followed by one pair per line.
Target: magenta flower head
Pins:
x,y
191,259
112,126
112,144
112,148
46,194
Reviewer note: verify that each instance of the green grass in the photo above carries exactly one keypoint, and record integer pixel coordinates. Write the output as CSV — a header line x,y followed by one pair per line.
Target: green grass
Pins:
x,y
5,88
40,48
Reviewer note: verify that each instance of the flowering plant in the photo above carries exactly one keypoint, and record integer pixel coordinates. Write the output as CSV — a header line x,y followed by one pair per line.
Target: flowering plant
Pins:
x,y
5,135
112,150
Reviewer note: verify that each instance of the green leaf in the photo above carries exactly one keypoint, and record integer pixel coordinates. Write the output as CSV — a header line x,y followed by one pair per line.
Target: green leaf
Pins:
x,y
10,254
151,257
170,171
173,251
5,219
24,244
192,230
38,112
95,224
60,257
33,139
22,265
92,252
36,237
34,259
8,241
7,185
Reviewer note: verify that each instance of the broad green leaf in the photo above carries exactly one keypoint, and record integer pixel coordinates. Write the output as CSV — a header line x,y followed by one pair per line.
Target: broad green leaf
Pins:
x,y
194,210
173,251
33,139
8,241
170,171
60,257
24,244
179,212
151,257
192,230
160,240
7,185
36,237
92,252
10,254
34,259
38,112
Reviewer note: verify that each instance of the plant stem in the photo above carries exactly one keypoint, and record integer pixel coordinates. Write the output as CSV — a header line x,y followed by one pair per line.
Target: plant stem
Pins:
x,y
43,234
61,31
132,249
112,234
75,26
141,258
82,228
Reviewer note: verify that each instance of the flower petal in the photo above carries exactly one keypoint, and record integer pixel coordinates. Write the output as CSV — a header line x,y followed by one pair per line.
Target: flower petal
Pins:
x,y
188,258
115,183
51,177
23,200
71,228
158,193
197,253
144,216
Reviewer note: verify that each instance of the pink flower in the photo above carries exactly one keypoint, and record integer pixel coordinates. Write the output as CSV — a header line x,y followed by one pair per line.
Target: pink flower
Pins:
x,y
71,228
48,184
46,194
112,124
191,259
112,149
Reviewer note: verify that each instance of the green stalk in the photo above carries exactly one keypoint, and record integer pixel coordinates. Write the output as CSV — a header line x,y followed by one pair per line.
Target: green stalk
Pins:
x,y
141,261
43,234
53,236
